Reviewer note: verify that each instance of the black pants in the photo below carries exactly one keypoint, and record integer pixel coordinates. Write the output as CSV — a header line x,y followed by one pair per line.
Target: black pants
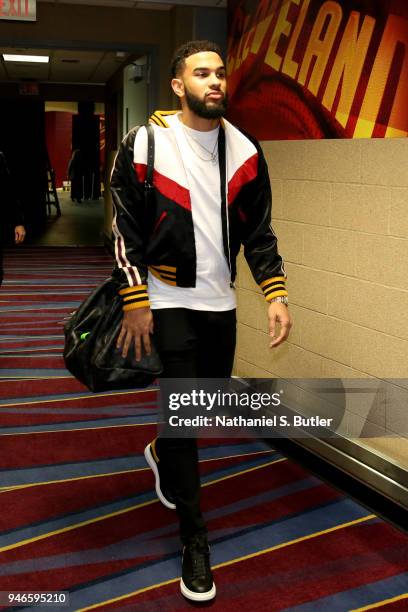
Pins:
x,y
192,344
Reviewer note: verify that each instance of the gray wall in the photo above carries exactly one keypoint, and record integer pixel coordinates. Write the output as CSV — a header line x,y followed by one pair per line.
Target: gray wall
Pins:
x,y
211,24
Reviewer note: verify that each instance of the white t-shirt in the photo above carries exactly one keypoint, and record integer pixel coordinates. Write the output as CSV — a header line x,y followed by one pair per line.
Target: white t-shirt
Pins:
x,y
212,290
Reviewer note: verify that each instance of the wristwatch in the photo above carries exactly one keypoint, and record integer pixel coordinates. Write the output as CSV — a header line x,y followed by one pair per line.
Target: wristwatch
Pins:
x,y
282,299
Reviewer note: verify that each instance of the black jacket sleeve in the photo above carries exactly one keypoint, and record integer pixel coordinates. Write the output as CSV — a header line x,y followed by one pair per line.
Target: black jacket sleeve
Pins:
x,y
259,240
128,226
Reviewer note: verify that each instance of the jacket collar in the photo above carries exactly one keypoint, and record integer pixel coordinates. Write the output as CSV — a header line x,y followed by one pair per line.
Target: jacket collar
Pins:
x,y
159,118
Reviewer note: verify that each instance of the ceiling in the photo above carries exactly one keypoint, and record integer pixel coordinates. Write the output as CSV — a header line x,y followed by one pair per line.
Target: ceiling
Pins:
x,y
73,66
64,66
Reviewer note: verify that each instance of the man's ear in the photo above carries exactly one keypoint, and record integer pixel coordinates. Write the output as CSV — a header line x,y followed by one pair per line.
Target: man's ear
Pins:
x,y
178,87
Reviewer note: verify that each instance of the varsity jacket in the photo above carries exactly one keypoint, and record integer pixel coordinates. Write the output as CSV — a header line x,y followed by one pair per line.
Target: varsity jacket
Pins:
x,y
160,236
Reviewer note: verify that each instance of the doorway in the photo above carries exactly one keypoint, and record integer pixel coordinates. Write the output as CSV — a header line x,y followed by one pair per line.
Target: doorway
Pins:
x,y
83,101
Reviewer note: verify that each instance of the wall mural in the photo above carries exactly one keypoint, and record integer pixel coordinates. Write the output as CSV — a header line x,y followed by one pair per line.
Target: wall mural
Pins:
x,y
313,69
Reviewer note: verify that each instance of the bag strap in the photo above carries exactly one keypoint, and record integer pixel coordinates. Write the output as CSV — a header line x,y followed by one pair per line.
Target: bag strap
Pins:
x,y
148,184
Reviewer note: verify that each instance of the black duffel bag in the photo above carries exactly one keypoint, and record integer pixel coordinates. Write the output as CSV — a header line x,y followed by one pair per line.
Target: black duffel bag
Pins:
x,y
90,351
91,333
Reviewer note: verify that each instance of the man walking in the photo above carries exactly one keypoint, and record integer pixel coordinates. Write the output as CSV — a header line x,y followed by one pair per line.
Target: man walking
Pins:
x,y
176,262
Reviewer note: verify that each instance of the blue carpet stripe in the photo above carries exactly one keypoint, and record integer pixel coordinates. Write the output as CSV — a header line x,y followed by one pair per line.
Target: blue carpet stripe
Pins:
x,y
29,347
61,291
47,282
65,471
27,337
29,351
56,472
51,317
365,595
30,372
33,307
75,395
101,423
138,410
251,540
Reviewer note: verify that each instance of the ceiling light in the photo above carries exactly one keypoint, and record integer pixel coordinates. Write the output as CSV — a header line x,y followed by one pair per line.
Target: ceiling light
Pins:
x,y
37,59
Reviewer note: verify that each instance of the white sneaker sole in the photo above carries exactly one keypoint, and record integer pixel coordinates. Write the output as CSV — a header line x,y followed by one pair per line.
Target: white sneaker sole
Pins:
x,y
197,596
153,465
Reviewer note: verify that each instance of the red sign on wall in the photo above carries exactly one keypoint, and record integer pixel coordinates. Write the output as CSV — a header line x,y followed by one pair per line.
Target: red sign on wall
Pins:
x,y
319,69
28,89
18,10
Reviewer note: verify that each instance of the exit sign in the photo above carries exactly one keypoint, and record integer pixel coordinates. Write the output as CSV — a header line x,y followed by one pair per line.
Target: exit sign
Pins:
x,y
18,10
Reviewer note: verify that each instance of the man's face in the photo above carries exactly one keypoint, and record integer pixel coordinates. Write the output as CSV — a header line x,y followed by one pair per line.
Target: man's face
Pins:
x,y
204,85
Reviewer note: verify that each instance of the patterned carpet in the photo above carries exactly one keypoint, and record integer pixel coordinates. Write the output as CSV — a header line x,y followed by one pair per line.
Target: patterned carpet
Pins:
x,y
78,511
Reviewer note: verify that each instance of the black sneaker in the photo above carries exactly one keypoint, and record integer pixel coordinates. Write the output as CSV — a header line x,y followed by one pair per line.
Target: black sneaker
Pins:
x,y
162,492
197,581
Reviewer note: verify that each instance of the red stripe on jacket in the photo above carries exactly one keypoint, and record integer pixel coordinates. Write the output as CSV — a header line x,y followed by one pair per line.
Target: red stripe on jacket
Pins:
x,y
245,173
167,187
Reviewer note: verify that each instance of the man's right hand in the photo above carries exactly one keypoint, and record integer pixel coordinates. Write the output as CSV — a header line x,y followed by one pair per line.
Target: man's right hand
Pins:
x,y
136,326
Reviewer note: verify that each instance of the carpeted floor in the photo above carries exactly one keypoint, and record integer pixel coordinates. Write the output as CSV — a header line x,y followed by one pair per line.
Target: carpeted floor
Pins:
x,y
78,512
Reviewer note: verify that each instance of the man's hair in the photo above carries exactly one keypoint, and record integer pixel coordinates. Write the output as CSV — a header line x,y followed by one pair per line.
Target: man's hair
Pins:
x,y
190,48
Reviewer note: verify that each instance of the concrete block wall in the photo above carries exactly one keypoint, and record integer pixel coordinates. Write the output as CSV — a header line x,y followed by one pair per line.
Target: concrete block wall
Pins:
x,y
340,211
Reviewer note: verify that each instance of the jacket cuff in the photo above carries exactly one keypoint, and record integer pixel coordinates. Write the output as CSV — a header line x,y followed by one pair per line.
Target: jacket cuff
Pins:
x,y
134,297
273,287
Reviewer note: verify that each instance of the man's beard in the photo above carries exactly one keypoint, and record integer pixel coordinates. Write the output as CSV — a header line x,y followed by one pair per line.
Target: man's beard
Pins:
x,y
200,108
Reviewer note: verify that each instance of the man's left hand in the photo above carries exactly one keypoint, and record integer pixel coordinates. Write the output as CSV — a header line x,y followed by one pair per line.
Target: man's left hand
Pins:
x,y
19,234
279,313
